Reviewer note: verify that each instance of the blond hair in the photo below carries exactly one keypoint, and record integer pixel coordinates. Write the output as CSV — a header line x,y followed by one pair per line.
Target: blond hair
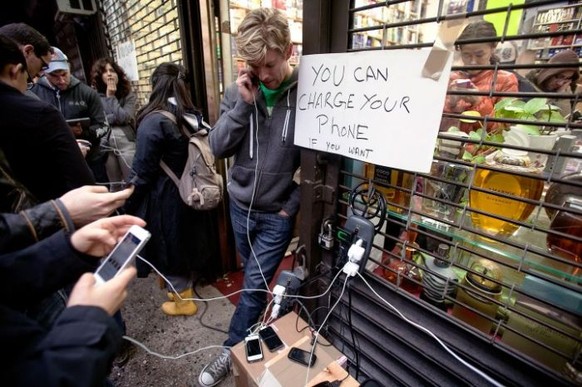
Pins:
x,y
261,30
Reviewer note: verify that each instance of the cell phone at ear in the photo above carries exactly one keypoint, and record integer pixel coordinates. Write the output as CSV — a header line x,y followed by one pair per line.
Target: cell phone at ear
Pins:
x,y
301,356
270,338
253,348
122,254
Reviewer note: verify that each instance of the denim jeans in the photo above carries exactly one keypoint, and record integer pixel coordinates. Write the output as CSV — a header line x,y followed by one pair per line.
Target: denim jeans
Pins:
x,y
270,234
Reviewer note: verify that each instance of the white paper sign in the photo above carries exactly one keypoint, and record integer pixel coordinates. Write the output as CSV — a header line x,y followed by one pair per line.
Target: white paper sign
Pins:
x,y
373,106
127,60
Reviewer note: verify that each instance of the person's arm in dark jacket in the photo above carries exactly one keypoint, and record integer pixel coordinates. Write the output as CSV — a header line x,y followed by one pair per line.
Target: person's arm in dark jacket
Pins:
x,y
77,351
21,230
37,271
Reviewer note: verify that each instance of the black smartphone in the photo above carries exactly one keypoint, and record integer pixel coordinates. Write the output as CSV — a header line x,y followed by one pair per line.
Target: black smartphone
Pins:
x,y
84,121
270,338
300,356
253,348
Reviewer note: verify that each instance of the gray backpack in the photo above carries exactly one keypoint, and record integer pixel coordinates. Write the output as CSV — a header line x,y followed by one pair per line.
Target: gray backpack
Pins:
x,y
200,186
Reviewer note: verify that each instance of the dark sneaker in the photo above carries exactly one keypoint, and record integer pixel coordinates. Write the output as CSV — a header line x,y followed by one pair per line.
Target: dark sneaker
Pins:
x,y
216,370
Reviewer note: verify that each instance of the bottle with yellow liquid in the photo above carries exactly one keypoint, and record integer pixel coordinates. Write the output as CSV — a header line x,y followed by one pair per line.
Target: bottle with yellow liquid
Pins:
x,y
506,182
385,179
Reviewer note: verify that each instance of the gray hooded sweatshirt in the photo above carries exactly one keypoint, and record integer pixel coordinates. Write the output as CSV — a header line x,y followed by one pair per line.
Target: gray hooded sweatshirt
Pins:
x,y
265,158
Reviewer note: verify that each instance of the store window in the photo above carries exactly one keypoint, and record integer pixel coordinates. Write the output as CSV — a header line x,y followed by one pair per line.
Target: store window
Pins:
x,y
491,238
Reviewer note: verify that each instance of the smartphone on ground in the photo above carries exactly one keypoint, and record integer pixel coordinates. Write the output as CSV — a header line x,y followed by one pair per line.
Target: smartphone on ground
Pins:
x,y
123,254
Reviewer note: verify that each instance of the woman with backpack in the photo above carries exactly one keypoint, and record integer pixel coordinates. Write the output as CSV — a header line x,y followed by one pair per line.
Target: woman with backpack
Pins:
x,y
182,239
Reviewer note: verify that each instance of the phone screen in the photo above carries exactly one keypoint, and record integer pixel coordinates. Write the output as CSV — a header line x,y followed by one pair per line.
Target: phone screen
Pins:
x,y
270,338
253,348
301,356
115,261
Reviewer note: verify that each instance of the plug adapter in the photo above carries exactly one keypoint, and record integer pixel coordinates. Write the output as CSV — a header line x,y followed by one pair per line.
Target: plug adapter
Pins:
x,y
278,293
287,285
364,229
351,268
356,252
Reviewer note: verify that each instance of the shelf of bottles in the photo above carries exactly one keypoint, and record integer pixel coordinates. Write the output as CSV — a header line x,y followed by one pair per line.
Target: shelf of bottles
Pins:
x,y
566,19
375,24
292,8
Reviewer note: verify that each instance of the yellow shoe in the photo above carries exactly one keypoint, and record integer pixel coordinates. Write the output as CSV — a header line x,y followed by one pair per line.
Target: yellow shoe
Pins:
x,y
180,307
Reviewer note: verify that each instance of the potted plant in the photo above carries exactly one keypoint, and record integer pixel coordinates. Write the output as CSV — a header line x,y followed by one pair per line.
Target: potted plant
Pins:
x,y
474,152
538,135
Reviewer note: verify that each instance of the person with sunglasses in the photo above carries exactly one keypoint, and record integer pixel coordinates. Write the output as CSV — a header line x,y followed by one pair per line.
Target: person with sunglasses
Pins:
x,y
558,79
35,47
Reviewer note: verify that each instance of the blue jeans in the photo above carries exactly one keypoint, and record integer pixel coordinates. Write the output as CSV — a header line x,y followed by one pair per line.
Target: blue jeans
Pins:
x,y
270,234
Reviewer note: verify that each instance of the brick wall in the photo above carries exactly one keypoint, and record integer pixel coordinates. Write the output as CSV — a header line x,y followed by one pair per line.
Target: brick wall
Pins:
x,y
153,26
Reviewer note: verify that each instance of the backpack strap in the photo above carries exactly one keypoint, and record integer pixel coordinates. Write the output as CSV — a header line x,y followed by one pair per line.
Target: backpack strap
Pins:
x,y
163,165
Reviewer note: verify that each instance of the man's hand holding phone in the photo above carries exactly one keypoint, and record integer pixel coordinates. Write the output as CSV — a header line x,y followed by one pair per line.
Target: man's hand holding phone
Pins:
x,y
99,238
108,296
91,202
248,85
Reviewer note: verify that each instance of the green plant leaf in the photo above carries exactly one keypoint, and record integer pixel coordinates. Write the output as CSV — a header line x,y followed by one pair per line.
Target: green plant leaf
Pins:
x,y
496,138
535,105
467,156
551,116
475,135
503,103
529,129
453,129
479,159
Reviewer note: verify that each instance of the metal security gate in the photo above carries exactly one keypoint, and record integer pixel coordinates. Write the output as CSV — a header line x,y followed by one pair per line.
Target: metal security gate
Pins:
x,y
492,272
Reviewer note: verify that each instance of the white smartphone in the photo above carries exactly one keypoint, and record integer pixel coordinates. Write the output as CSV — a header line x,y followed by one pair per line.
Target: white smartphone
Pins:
x,y
253,348
123,253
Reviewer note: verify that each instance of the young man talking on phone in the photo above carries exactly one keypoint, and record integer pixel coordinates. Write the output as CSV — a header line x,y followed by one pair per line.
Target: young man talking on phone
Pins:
x,y
256,126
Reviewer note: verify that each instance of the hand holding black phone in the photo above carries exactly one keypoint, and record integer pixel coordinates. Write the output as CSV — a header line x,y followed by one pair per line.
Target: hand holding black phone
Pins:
x,y
301,356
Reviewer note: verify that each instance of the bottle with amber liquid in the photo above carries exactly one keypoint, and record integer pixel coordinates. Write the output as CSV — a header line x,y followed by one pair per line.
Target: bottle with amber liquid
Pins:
x,y
507,183
569,246
386,179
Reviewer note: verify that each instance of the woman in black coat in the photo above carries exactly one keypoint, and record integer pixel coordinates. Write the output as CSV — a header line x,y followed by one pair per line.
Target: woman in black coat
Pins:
x,y
182,240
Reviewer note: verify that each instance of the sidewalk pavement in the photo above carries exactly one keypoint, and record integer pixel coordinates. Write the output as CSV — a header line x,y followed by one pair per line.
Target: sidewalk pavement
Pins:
x,y
170,336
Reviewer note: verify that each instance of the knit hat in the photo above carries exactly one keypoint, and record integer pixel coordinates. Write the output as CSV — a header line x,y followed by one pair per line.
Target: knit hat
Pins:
x,y
565,56
59,61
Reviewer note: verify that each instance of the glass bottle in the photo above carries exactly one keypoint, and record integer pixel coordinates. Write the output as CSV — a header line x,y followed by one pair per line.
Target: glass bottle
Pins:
x,y
439,280
386,179
567,222
507,183
451,190
480,290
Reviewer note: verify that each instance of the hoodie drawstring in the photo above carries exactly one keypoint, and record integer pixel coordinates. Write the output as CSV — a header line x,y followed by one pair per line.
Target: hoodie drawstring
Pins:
x,y
252,142
286,123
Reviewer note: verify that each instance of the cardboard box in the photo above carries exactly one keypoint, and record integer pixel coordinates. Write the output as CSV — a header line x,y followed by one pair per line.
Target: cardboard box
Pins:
x,y
277,370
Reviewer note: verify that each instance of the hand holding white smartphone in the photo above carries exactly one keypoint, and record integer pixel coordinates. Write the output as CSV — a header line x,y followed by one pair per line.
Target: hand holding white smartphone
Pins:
x,y
123,254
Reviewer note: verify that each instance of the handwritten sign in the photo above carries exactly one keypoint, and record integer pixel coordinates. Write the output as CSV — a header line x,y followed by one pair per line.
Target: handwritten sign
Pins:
x,y
127,59
372,106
